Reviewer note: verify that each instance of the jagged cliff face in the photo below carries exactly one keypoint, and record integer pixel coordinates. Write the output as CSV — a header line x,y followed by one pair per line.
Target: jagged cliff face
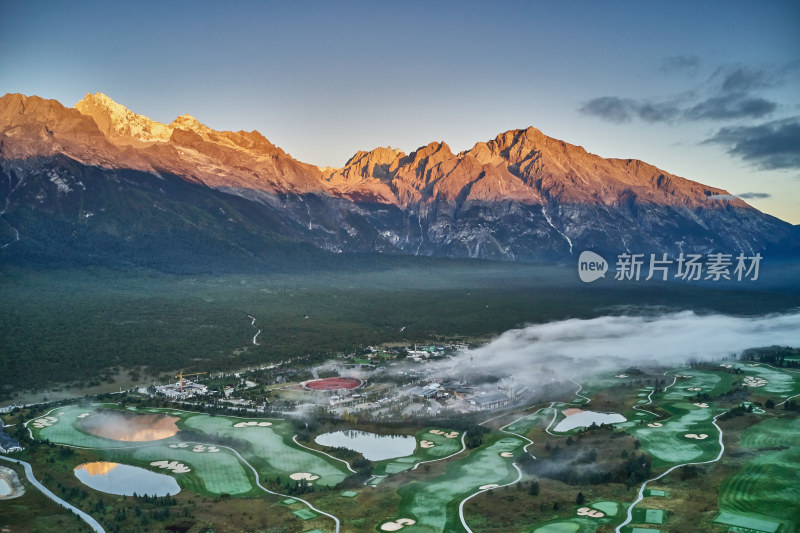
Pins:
x,y
520,196
524,166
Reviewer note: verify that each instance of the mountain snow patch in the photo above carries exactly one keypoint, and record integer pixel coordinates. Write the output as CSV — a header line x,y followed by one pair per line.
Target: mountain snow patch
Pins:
x,y
60,182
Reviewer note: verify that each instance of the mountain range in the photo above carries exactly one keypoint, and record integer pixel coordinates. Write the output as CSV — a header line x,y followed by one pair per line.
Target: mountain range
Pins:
x,y
100,184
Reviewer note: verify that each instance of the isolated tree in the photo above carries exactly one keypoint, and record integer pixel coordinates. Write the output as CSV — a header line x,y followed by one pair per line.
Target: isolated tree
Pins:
x,y
533,489
580,499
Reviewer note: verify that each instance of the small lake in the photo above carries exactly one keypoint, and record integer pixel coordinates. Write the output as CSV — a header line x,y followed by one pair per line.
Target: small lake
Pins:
x,y
372,446
584,419
115,478
5,488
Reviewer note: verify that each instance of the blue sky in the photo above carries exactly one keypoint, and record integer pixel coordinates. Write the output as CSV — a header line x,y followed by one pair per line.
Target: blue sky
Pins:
x,y
706,90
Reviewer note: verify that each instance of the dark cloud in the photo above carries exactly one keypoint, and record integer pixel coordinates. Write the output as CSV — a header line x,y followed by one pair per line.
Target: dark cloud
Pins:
x,y
730,93
743,196
681,63
609,108
754,195
743,79
657,112
620,110
731,106
772,145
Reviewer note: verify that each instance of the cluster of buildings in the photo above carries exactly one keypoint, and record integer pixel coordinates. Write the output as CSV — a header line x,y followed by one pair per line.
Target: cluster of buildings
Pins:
x,y
417,353
465,397
8,444
182,390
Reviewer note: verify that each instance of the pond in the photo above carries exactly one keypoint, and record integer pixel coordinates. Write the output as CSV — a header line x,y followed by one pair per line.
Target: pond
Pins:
x,y
372,446
584,419
129,427
115,478
5,488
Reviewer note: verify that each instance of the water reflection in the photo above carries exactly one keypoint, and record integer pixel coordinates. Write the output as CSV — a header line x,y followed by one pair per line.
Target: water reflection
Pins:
x,y
372,446
115,478
127,427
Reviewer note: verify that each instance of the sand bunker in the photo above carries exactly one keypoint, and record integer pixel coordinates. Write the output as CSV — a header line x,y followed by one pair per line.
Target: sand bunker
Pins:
x,y
571,411
179,445
175,466
751,381
701,436
701,404
129,427
723,365
506,454
426,444
585,511
398,524
621,376
303,476
489,486
451,435
655,425
45,421
753,364
84,415
694,389
682,376
200,448
10,485
252,424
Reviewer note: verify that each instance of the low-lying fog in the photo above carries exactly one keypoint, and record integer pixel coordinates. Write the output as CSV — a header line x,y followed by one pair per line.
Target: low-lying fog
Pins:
x,y
575,348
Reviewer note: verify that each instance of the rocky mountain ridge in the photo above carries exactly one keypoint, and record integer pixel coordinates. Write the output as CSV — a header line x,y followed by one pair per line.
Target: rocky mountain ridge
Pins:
x,y
520,196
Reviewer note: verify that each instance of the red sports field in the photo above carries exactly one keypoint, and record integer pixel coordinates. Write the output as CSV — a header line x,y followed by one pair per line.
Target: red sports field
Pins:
x,y
333,384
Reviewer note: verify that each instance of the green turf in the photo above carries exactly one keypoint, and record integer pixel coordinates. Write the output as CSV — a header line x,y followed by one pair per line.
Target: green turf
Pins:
x,y
442,448
524,425
766,487
434,502
668,444
655,492
609,508
746,522
289,501
66,430
778,381
348,494
558,527
654,516
212,473
710,383
644,530
374,481
272,450
305,514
